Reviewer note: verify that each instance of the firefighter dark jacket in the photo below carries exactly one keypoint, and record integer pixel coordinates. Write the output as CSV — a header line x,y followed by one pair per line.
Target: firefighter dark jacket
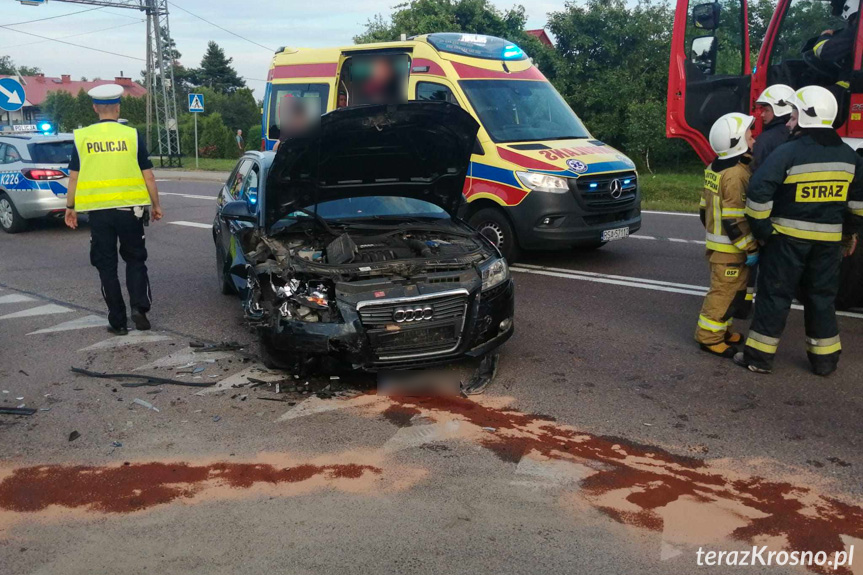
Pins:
x,y
808,190
722,210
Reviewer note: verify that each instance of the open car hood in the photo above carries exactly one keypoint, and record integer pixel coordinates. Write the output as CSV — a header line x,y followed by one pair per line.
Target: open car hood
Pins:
x,y
417,150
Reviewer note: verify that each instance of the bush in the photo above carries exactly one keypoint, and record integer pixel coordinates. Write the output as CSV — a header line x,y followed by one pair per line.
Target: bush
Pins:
x,y
213,137
253,140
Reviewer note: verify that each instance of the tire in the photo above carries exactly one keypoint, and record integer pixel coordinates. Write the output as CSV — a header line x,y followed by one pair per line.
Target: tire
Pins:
x,y
495,226
10,220
226,286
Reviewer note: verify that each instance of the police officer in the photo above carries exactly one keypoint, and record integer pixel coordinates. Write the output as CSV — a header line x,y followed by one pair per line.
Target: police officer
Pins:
x,y
731,249
808,193
111,178
774,106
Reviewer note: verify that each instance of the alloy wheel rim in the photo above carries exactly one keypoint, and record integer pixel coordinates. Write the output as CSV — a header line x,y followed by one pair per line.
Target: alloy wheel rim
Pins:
x,y
494,233
6,213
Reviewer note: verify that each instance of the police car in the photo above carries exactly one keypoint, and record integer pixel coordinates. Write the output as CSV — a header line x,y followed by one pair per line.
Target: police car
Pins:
x,y
33,177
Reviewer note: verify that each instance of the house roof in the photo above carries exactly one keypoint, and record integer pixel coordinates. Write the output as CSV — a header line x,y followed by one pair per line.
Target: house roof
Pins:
x,y
542,36
37,87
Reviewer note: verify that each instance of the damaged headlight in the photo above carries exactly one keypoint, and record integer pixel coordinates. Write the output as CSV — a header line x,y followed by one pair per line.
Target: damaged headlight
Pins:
x,y
543,182
494,273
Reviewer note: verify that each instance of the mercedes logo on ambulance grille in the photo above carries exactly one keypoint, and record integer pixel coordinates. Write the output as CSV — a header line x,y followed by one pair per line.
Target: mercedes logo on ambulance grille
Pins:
x,y
616,188
407,314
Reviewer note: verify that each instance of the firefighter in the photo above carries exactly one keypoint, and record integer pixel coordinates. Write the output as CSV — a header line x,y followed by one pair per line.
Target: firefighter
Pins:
x,y
801,201
731,249
111,178
775,109
834,51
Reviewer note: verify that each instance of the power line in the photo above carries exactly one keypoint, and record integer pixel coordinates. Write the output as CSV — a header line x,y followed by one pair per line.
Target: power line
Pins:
x,y
10,46
220,28
52,17
72,44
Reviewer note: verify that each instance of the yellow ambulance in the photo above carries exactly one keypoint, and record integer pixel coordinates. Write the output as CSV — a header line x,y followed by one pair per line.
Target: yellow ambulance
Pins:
x,y
537,180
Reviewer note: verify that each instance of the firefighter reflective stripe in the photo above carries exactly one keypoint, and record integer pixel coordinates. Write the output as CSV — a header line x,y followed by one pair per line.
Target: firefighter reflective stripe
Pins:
x,y
705,322
703,203
732,213
808,230
750,293
820,171
110,176
744,242
818,47
761,342
856,208
717,216
824,346
758,210
720,243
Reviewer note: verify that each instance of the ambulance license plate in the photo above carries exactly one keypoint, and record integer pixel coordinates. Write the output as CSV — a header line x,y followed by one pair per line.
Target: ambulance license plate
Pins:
x,y
615,234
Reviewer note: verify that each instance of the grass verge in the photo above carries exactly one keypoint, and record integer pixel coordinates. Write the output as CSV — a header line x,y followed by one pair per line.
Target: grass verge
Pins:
x,y
671,192
204,164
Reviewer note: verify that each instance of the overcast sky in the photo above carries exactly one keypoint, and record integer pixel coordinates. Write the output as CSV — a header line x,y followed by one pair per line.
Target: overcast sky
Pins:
x,y
271,23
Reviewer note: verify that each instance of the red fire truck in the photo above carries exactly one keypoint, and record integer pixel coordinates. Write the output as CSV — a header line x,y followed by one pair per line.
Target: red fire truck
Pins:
x,y
711,74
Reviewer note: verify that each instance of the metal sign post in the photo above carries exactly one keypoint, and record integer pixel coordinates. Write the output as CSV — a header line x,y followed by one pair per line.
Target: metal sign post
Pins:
x,y
196,106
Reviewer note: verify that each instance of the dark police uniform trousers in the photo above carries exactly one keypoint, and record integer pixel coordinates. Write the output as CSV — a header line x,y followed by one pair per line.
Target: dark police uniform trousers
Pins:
x,y
107,228
800,202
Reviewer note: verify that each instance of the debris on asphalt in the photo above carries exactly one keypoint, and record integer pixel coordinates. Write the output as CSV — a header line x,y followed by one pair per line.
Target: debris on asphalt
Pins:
x,y
117,444
22,406
489,428
148,379
279,400
19,399
24,372
17,410
217,418
483,376
199,347
74,435
146,404
198,369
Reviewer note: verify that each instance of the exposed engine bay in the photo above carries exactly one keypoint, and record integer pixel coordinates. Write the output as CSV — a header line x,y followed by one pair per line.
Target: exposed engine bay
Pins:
x,y
296,274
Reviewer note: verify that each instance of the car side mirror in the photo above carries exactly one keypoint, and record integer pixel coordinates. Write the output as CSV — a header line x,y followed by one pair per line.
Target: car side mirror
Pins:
x,y
706,16
238,210
702,54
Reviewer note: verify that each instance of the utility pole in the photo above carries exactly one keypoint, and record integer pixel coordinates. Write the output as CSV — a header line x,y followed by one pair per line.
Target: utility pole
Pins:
x,y
158,77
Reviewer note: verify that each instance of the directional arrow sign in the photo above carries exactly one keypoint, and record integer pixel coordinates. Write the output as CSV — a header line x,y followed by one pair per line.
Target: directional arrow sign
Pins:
x,y
196,102
12,95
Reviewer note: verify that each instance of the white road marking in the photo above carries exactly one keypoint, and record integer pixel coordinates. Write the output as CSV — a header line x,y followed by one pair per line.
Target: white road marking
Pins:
x,y
15,298
185,356
192,196
47,309
670,213
134,338
192,224
80,323
640,237
686,289
414,436
676,240
549,473
256,372
315,405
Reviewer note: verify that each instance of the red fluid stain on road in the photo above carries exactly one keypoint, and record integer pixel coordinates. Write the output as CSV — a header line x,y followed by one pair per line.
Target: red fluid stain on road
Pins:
x,y
138,486
653,478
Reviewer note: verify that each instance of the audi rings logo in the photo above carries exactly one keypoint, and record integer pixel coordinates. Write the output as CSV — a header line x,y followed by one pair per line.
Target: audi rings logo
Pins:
x,y
407,314
616,188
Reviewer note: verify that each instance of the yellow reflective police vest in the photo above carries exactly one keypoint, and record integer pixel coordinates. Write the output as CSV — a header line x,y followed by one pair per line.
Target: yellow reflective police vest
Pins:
x,y
109,176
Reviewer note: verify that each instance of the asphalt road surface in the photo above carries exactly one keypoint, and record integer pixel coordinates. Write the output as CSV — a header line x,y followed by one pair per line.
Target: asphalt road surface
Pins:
x,y
608,442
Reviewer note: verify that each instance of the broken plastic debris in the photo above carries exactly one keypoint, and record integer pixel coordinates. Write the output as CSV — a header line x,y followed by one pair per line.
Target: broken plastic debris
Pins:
x,y
217,418
117,444
74,435
146,404
483,376
490,428
19,398
198,369
17,410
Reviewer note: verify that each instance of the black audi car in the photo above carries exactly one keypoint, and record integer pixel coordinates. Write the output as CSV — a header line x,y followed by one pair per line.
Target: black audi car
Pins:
x,y
346,247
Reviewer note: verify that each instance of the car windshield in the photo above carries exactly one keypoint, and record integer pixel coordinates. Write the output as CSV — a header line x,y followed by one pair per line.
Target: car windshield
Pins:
x,y
522,111
57,152
373,207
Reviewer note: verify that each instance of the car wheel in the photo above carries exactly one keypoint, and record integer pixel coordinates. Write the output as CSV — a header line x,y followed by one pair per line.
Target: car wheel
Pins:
x,y
226,286
492,224
10,220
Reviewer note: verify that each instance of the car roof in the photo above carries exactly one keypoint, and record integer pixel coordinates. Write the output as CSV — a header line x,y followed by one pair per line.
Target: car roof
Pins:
x,y
36,138
265,158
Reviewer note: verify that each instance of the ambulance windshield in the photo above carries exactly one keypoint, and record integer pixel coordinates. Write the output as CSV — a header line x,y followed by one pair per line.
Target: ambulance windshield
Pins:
x,y
520,111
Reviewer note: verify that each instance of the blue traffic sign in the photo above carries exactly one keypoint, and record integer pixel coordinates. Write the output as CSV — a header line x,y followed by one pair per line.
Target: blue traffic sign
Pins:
x,y
12,95
196,102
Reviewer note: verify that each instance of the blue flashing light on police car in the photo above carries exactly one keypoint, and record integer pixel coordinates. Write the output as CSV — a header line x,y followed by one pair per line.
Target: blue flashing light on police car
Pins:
x,y
46,127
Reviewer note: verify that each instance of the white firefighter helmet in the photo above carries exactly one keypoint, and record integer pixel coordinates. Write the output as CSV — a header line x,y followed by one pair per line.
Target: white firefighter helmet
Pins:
x,y
728,135
816,107
850,8
779,97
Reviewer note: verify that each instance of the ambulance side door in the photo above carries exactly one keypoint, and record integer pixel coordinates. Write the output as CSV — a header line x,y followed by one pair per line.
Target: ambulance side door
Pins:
x,y
709,71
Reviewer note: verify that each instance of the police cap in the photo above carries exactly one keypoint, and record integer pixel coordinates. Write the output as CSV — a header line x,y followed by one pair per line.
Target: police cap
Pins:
x,y
106,94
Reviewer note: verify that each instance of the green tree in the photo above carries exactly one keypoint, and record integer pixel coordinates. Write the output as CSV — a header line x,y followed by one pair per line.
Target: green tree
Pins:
x,y
216,71
8,68
253,137
214,137
60,108
84,112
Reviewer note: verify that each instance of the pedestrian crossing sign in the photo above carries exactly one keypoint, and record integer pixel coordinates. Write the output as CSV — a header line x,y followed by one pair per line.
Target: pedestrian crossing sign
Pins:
x,y
196,102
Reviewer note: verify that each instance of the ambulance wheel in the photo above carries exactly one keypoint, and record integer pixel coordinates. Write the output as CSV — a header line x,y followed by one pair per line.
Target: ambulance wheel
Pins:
x,y
225,283
492,224
10,220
